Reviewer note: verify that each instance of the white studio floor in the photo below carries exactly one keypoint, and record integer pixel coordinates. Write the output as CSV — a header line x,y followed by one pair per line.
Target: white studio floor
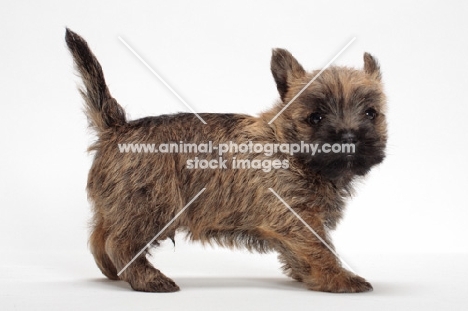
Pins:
x,y
218,279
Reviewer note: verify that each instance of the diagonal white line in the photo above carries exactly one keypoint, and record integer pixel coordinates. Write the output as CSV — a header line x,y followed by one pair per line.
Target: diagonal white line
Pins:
x,y
159,233
310,228
160,79
313,79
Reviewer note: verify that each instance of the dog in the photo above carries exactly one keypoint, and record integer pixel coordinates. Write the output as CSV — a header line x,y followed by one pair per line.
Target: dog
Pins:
x,y
135,195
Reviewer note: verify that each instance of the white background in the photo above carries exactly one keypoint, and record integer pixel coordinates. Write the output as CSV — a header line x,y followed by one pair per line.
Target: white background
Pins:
x,y
216,56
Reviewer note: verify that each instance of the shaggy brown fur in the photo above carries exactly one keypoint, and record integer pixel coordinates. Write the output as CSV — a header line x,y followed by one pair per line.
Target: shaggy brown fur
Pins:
x,y
134,195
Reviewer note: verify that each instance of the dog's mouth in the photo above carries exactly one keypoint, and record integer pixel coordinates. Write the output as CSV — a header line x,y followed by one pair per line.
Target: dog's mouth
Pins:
x,y
336,165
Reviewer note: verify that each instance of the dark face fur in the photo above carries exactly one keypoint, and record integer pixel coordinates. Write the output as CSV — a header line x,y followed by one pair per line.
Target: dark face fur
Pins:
x,y
341,106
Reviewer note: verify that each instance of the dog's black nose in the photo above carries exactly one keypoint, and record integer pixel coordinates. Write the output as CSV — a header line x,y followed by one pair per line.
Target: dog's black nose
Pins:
x,y
348,137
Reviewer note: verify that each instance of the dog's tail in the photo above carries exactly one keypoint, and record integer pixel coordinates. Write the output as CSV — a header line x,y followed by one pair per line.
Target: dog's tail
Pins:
x,y
102,109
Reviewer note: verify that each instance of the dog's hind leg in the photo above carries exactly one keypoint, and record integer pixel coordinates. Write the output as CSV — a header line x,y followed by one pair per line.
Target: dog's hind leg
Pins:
x,y
141,274
97,243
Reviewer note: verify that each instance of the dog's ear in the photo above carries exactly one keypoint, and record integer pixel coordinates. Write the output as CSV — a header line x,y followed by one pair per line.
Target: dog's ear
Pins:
x,y
285,69
371,66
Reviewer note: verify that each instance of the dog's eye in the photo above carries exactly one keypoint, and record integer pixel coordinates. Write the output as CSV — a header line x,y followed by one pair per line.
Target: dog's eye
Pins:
x,y
314,118
371,113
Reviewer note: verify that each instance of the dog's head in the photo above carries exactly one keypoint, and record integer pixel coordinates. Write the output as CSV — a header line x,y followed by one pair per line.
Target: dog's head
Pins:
x,y
342,111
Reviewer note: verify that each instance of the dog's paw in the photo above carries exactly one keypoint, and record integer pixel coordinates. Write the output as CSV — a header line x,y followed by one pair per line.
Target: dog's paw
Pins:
x,y
343,283
355,284
158,285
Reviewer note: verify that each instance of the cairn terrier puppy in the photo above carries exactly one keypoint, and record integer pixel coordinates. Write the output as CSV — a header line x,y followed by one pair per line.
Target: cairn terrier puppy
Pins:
x,y
136,194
